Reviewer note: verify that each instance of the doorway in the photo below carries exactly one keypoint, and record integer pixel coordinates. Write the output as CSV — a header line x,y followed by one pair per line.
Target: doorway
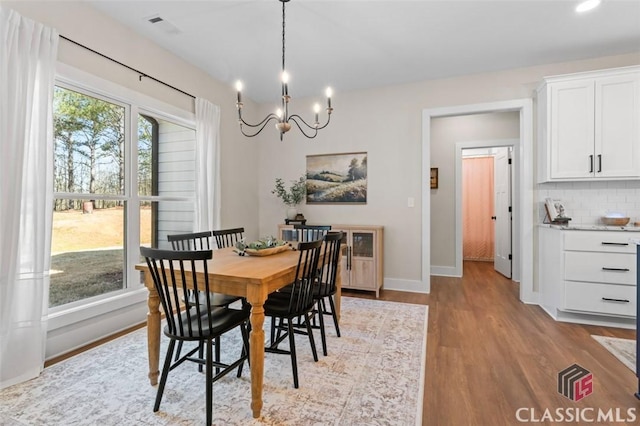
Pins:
x,y
485,200
522,259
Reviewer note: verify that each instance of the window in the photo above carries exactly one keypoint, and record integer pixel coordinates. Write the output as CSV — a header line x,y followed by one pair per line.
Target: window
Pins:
x,y
115,188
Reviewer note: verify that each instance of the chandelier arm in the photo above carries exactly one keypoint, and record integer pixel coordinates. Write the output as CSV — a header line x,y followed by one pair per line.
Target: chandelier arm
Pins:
x,y
310,136
312,127
264,123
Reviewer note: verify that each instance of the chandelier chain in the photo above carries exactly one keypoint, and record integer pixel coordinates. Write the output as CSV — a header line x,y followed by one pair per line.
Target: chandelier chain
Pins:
x,y
283,38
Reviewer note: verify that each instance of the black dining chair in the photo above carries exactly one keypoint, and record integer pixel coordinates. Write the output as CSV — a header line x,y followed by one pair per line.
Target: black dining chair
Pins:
x,y
199,241
312,232
175,271
325,288
296,302
228,237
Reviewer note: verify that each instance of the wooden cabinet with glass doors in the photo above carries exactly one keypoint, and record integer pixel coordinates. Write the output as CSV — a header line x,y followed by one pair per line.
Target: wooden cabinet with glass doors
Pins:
x,y
362,258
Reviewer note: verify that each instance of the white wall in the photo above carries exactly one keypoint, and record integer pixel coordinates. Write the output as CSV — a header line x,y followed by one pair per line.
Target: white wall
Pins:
x,y
386,123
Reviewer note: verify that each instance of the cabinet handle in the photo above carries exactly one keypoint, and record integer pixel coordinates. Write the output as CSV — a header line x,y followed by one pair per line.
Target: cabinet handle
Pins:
x,y
599,163
604,243
591,164
608,299
615,269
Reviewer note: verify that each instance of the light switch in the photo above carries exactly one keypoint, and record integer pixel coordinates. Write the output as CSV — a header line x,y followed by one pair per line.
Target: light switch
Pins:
x,y
411,202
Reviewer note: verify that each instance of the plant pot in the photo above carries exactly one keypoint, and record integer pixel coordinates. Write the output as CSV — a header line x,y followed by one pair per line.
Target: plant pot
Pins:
x,y
292,212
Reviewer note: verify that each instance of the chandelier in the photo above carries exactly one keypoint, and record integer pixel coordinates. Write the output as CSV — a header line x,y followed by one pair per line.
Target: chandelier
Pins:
x,y
282,117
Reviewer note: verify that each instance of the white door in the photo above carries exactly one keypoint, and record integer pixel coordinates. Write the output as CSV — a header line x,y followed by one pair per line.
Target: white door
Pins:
x,y
502,200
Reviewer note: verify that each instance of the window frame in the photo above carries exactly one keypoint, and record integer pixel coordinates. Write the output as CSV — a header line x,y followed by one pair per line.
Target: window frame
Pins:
x,y
135,103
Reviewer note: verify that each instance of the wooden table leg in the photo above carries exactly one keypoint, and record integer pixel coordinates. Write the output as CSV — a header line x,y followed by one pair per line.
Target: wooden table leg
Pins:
x,y
153,329
256,342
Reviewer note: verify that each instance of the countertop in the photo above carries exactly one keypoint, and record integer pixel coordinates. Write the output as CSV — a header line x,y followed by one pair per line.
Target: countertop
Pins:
x,y
592,227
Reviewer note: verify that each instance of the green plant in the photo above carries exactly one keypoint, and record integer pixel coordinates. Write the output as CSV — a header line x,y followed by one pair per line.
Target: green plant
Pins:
x,y
295,194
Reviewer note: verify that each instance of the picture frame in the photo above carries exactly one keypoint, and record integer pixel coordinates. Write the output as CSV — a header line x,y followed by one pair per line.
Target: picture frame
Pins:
x,y
434,178
337,178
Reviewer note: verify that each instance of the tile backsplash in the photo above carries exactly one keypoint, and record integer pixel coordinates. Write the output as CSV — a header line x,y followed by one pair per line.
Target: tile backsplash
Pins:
x,y
587,202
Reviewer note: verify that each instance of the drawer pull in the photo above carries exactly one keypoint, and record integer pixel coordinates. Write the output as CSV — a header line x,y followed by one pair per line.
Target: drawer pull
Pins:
x,y
608,299
615,269
604,243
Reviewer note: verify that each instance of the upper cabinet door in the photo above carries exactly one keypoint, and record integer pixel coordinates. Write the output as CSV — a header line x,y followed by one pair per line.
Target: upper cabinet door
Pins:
x,y
589,126
572,129
617,124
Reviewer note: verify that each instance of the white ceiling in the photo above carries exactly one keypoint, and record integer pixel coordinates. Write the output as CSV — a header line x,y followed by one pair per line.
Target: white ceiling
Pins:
x,y
358,44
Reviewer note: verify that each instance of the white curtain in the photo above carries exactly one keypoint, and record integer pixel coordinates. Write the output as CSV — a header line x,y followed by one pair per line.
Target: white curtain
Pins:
x,y
27,68
207,165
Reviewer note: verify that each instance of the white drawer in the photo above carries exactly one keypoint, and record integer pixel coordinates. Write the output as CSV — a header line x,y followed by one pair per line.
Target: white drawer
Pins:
x,y
601,241
615,268
607,299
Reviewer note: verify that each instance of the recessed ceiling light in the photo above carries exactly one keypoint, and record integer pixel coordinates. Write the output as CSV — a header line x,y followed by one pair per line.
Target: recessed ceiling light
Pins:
x,y
587,5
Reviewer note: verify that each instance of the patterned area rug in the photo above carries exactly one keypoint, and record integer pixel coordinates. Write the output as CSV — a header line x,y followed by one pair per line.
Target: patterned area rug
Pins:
x,y
373,375
623,349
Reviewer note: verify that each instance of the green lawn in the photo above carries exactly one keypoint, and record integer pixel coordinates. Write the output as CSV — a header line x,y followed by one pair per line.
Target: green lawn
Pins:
x,y
82,274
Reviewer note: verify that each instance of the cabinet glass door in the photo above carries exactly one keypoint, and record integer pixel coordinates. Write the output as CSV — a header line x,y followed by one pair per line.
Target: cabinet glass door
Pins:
x,y
362,244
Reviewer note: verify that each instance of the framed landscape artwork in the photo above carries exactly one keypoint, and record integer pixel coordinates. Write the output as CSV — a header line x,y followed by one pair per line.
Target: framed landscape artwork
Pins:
x,y
337,178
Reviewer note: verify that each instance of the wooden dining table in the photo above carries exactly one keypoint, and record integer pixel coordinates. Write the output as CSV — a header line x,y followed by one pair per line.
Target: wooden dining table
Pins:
x,y
252,277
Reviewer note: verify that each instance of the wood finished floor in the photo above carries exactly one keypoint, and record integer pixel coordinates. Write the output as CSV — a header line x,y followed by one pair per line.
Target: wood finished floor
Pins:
x,y
488,354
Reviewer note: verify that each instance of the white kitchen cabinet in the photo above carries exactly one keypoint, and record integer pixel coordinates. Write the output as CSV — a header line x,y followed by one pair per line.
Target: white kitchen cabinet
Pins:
x,y
589,126
588,276
362,261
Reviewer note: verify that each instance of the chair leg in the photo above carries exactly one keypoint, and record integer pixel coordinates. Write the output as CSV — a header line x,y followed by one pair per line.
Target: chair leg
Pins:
x,y
209,382
165,374
333,314
323,336
292,349
217,353
307,320
245,349
178,350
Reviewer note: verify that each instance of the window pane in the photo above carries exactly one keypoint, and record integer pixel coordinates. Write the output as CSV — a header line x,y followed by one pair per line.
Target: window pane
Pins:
x,y
87,250
166,158
89,144
161,218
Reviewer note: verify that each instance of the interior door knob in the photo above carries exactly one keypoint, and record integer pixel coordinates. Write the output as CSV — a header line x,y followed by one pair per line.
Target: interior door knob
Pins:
x,y
493,218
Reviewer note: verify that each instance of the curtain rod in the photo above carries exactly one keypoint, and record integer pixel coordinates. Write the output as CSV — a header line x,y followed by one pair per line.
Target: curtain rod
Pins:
x,y
140,73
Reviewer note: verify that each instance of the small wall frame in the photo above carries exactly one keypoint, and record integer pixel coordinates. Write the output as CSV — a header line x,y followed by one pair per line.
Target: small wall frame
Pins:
x,y
434,178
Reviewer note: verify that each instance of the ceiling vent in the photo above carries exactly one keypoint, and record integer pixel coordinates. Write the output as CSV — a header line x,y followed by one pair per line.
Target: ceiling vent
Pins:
x,y
162,24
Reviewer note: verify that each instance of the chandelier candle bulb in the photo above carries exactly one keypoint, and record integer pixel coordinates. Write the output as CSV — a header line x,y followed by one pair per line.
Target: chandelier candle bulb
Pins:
x,y
329,93
239,90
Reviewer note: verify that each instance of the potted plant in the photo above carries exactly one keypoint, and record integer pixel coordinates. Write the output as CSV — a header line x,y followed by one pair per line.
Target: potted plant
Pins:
x,y
292,196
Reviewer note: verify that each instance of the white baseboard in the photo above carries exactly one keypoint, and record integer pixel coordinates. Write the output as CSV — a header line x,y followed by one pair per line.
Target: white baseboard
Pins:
x,y
590,319
73,336
445,271
414,286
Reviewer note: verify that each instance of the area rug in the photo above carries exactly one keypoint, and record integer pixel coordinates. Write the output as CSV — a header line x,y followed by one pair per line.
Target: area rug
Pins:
x,y
623,349
373,375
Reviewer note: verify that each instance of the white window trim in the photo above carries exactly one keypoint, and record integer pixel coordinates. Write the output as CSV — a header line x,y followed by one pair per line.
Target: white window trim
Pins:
x,y
61,317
